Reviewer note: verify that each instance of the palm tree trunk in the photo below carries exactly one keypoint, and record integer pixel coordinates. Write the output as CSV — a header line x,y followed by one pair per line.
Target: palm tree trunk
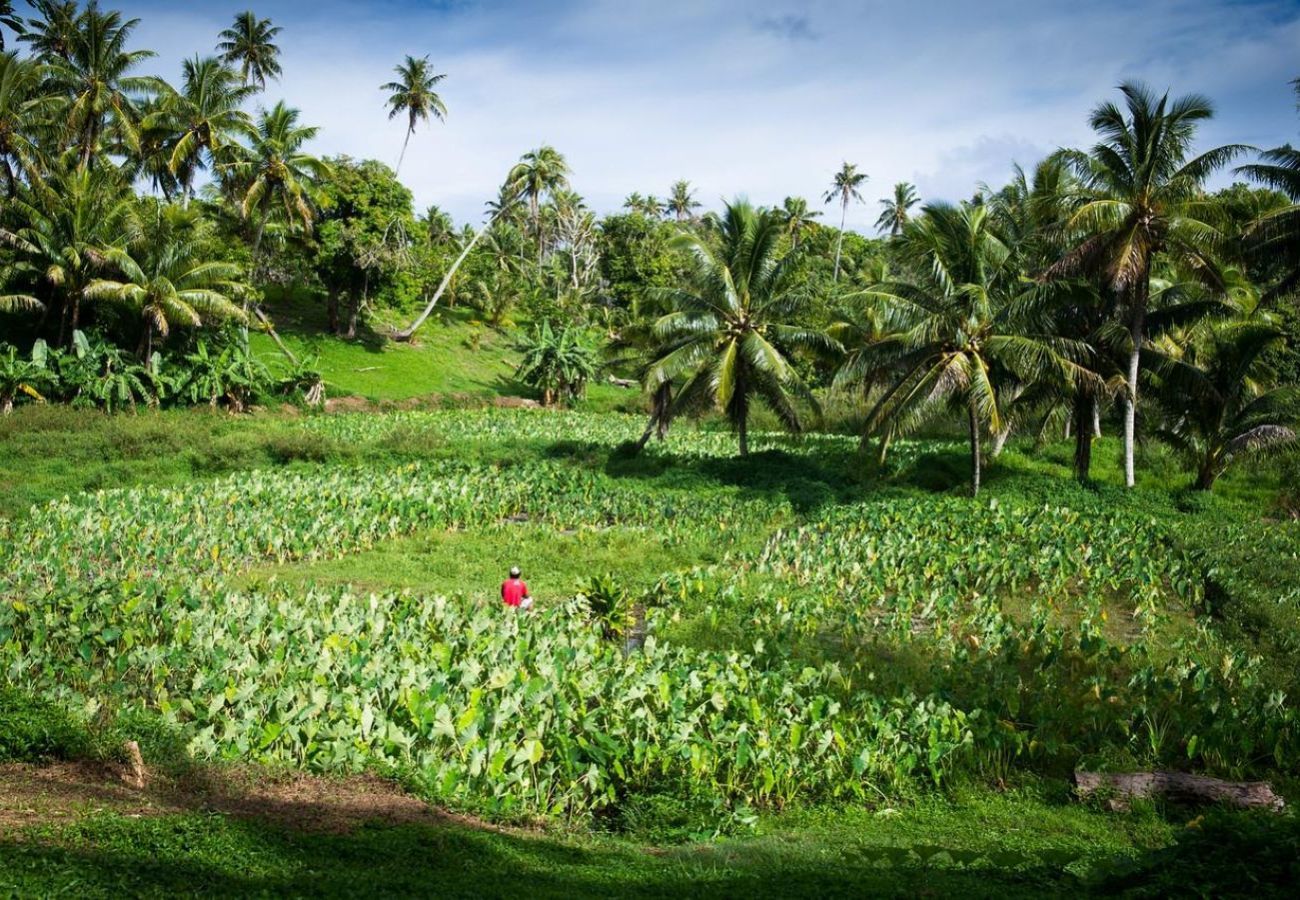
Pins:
x,y
1084,406
401,156
744,435
839,241
1206,476
1137,332
1000,440
446,280
1096,417
974,450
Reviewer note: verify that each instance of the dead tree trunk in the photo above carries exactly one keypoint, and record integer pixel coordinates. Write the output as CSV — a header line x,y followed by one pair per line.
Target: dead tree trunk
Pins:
x,y
1180,785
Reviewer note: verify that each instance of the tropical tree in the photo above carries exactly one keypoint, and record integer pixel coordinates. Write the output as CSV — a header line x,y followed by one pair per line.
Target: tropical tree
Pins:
x,y
205,117
557,363
1275,236
165,278
643,205
798,218
20,376
537,173
413,95
9,20
1141,197
733,328
249,44
22,105
845,186
51,32
681,201
895,210
99,92
273,174
961,329
1216,402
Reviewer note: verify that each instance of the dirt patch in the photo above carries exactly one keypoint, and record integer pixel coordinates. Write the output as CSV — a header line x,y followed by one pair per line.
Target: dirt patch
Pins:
x,y
347,404
49,794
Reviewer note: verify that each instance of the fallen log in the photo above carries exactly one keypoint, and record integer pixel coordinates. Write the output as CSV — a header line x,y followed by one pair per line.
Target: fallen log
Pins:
x,y
623,382
1179,786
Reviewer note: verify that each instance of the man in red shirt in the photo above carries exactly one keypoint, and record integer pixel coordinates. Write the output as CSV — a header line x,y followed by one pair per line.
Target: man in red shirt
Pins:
x,y
514,592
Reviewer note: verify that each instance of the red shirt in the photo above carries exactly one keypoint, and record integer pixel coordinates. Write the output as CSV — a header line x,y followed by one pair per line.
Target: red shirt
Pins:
x,y
513,591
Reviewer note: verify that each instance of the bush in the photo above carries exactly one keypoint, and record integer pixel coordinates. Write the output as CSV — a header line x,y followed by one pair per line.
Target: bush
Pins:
x,y
32,730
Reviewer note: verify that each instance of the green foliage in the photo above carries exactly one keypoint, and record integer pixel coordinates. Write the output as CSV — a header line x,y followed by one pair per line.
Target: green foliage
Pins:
x,y
557,362
32,729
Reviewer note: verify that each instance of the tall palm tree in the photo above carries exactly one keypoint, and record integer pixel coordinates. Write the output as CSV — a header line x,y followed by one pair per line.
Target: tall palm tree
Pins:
x,y
413,94
94,78
165,278
681,201
961,329
273,174
8,19
249,44
798,218
205,116
1276,234
69,219
51,32
844,187
894,212
1141,198
731,332
1217,406
538,172
22,107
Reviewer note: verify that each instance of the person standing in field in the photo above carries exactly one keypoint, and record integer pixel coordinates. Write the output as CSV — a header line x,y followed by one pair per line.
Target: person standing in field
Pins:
x,y
514,592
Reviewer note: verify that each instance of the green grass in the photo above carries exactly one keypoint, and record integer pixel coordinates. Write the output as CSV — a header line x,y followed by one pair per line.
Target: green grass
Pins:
x,y
472,563
1024,843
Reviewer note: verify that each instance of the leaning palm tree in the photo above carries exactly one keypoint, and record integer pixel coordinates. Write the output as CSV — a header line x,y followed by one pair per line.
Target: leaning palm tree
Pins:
x,y
1216,404
538,172
1141,198
413,95
961,330
205,116
164,276
95,80
844,187
798,218
732,331
249,45
895,211
273,174
681,201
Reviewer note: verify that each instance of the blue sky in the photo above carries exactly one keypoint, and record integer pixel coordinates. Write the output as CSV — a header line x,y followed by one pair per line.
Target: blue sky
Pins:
x,y
763,98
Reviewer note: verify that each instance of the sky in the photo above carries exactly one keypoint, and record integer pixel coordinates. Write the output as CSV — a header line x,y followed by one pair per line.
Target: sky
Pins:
x,y
764,98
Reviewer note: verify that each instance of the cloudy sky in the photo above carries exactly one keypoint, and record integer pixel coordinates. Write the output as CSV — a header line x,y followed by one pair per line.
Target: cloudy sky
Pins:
x,y
763,98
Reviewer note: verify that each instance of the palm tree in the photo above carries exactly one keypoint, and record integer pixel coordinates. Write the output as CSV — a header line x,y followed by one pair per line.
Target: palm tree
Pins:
x,y
844,187
51,33
538,172
205,116
1215,405
730,335
894,214
413,94
22,105
274,173
1140,198
95,81
69,219
1275,236
164,276
248,44
681,201
961,330
798,218
9,20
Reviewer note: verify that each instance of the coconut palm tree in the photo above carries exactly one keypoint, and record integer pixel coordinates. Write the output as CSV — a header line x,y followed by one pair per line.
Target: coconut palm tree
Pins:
x,y
22,106
797,217
1276,234
249,45
273,174
538,172
164,277
50,33
1141,198
1216,404
961,330
681,201
413,95
69,219
205,116
95,80
8,19
894,212
732,331
844,187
